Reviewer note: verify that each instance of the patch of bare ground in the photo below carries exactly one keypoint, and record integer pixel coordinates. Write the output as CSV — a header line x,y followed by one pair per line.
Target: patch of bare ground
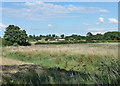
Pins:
x,y
8,61
14,66
14,69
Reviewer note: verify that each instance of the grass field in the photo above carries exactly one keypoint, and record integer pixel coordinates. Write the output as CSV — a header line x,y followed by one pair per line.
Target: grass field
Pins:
x,y
99,61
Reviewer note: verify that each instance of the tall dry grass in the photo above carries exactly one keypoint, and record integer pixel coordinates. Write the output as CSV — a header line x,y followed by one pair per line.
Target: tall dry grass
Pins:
x,y
60,50
99,62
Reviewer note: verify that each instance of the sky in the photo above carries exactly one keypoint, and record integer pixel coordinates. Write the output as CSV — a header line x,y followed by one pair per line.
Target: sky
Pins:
x,y
60,17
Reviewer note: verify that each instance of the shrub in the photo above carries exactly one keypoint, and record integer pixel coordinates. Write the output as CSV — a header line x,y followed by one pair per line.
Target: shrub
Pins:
x,y
112,41
26,44
60,42
16,44
6,43
9,43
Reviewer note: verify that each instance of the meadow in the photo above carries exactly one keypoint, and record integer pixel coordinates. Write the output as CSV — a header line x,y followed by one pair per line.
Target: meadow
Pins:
x,y
97,62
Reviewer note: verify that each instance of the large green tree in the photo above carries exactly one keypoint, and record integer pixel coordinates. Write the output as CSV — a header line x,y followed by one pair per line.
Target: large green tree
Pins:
x,y
112,35
13,34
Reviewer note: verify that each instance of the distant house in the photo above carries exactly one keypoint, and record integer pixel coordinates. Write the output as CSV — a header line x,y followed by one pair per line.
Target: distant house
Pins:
x,y
61,39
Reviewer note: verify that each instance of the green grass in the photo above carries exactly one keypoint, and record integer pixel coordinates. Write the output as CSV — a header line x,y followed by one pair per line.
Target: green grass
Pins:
x,y
99,61
65,62
105,74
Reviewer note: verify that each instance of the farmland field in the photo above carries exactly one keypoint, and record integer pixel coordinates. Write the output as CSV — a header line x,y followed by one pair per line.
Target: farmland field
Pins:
x,y
59,42
98,61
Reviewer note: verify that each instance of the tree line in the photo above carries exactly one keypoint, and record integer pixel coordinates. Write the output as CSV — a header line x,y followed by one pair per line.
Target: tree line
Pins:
x,y
115,35
13,35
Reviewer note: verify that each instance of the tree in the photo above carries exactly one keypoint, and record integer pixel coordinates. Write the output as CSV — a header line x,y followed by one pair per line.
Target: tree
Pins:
x,y
111,35
30,37
37,38
67,38
34,36
89,37
62,36
53,35
40,36
13,34
99,37
89,34
74,36
49,35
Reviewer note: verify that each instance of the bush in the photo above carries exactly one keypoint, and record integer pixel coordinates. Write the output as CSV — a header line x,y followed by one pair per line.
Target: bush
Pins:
x,y
6,43
113,41
61,42
16,44
26,44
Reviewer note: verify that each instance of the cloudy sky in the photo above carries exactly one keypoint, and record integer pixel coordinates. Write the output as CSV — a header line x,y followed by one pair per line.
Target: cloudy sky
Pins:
x,y
61,17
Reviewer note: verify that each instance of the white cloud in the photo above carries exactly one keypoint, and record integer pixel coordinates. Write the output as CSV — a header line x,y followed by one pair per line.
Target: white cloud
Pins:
x,y
49,25
112,20
95,29
2,26
101,19
86,24
101,29
42,11
94,33
97,23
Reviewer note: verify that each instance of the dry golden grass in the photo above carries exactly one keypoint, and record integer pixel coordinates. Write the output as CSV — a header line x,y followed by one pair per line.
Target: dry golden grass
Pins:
x,y
73,54
8,61
78,49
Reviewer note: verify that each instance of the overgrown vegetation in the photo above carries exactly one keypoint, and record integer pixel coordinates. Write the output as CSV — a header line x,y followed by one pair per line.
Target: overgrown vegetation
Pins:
x,y
77,42
36,75
61,54
61,42
75,64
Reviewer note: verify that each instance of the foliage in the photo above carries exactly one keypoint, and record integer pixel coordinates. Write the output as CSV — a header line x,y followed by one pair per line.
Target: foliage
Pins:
x,y
13,34
90,38
62,36
27,44
112,36
15,44
61,42
65,65
89,34
6,43
36,75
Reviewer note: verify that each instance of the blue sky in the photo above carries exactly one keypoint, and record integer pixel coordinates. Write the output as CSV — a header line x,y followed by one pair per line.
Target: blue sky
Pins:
x,y
61,17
